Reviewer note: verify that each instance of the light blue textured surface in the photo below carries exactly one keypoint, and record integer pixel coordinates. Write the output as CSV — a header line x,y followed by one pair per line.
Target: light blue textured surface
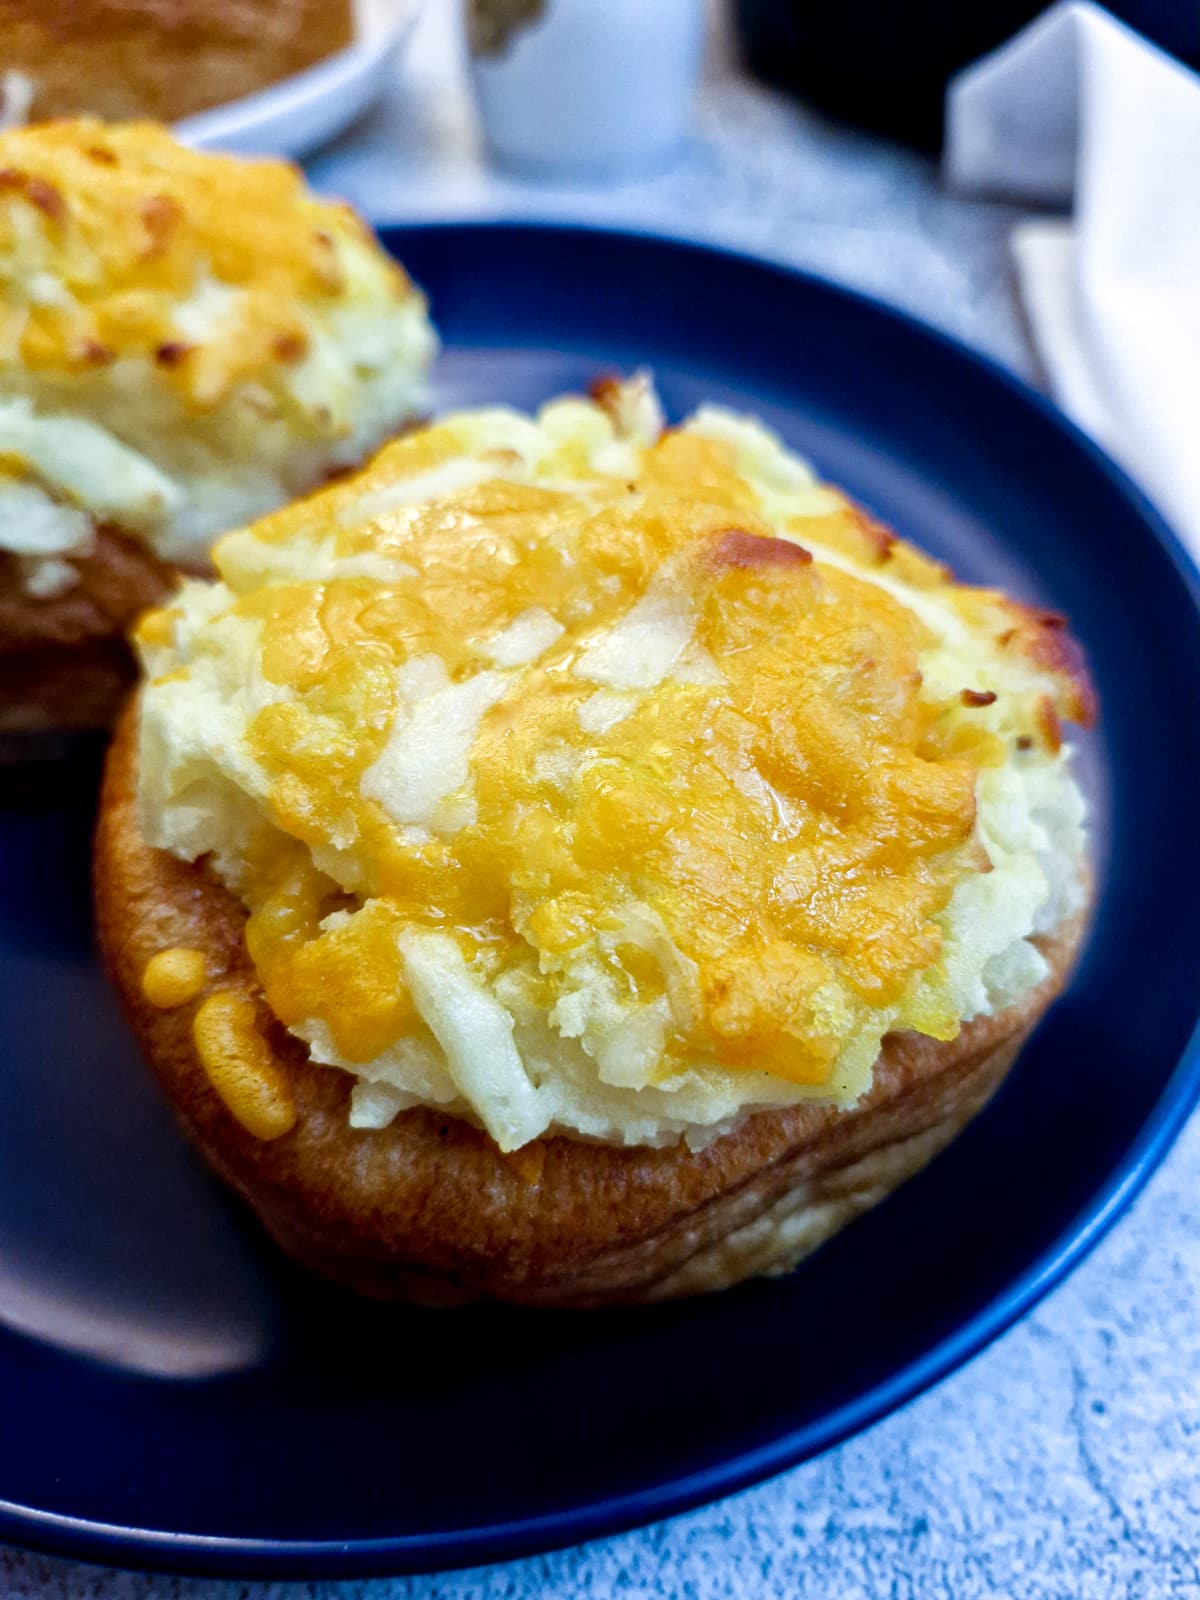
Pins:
x,y
1063,1461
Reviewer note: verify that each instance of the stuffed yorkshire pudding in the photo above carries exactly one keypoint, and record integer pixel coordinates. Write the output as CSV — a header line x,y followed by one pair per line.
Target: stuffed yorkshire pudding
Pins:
x,y
186,341
575,861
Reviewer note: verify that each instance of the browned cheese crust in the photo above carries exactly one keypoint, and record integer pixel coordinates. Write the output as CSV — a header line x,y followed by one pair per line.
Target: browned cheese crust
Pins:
x,y
428,1208
64,662
164,59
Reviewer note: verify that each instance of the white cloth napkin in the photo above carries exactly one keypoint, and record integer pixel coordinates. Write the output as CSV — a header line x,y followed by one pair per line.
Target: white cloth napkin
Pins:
x,y
1079,106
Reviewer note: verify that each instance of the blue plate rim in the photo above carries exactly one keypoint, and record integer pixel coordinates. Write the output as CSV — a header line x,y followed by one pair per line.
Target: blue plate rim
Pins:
x,y
231,1556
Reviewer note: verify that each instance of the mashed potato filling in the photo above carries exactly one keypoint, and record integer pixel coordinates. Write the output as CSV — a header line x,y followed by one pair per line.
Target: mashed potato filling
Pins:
x,y
582,776
186,341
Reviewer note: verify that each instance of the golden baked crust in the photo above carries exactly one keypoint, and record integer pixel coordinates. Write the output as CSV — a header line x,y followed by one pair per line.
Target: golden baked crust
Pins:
x,y
117,578
60,693
428,1208
163,58
64,662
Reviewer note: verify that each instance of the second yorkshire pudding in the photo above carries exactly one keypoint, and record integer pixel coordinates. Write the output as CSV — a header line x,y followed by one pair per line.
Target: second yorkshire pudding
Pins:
x,y
186,341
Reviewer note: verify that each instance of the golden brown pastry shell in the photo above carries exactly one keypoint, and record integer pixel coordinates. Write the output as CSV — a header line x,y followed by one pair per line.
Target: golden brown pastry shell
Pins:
x,y
428,1209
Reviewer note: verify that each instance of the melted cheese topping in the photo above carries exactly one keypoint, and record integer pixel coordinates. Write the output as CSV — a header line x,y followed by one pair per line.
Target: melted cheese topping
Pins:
x,y
186,340
585,779
173,977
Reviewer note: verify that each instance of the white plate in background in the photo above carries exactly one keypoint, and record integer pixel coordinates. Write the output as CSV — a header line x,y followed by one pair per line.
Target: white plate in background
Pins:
x,y
300,113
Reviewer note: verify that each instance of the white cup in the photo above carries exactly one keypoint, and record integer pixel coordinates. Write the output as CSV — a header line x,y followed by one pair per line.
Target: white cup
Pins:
x,y
593,88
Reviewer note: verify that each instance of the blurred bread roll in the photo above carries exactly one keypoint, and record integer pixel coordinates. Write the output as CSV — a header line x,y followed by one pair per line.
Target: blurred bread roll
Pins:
x,y
186,342
164,59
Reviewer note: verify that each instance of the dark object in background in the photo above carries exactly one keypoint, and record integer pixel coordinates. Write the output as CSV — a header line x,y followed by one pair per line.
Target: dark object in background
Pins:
x,y
883,64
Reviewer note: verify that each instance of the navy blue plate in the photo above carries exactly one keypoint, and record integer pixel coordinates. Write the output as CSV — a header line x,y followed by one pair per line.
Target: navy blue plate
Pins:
x,y
174,1395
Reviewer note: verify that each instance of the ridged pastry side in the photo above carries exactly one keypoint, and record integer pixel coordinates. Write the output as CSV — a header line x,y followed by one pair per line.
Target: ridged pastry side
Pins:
x,y
428,1209
64,661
